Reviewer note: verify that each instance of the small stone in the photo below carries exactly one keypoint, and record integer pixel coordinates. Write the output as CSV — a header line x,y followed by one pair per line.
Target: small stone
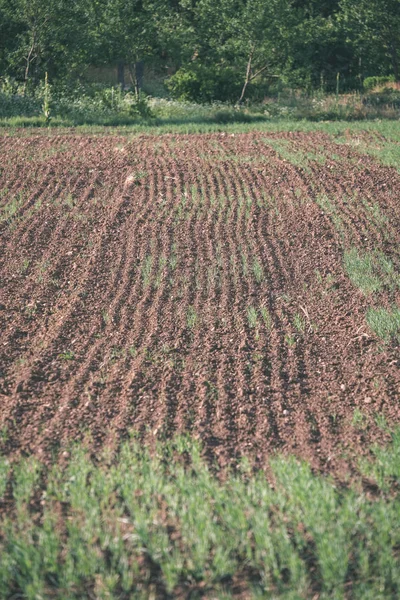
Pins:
x,y
285,412
343,387
65,454
367,400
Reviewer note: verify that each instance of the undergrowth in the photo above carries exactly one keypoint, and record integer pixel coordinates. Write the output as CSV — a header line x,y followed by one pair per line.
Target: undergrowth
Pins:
x,y
96,104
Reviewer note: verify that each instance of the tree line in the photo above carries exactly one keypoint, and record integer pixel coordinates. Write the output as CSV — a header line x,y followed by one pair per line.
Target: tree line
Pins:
x,y
225,50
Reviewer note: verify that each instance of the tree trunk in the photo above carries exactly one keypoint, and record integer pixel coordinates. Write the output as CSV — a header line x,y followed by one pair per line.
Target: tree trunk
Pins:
x,y
139,70
28,62
136,73
121,74
395,60
247,78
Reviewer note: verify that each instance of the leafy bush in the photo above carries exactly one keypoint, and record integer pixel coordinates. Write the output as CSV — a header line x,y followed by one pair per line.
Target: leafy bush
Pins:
x,y
371,83
200,83
14,103
140,107
387,97
81,104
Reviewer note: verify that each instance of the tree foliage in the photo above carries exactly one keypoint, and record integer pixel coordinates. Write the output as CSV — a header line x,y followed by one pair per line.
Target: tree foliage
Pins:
x,y
226,50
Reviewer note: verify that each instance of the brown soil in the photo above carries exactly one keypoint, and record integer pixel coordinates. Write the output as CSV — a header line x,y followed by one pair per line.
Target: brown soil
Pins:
x,y
129,270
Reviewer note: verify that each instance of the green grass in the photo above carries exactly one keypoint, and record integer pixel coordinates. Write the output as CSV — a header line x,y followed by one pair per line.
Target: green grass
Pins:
x,y
67,355
370,271
9,211
91,108
386,151
330,208
136,525
191,317
252,316
385,323
299,323
385,468
266,317
147,269
258,270
192,124
293,155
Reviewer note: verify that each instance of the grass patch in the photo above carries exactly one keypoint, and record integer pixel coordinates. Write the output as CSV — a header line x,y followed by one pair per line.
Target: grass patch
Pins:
x,y
385,468
293,155
252,316
370,272
385,323
191,317
387,152
9,211
147,268
135,524
327,206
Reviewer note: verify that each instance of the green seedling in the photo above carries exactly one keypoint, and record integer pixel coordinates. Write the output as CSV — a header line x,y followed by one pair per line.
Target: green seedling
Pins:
x,y
266,317
359,420
24,265
258,271
252,316
191,317
67,355
146,270
299,323
290,340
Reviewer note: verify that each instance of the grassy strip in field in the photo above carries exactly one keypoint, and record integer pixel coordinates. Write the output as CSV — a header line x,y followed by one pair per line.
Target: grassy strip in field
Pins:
x,y
387,151
166,525
295,156
341,131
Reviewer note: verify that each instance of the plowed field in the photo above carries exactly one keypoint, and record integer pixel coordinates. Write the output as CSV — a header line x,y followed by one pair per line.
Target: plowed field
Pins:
x,y
195,283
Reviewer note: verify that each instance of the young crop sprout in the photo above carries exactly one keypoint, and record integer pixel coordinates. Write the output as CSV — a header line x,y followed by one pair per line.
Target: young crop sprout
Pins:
x,y
67,355
25,264
146,270
161,265
266,317
300,323
359,419
245,267
252,316
290,340
173,261
191,317
258,270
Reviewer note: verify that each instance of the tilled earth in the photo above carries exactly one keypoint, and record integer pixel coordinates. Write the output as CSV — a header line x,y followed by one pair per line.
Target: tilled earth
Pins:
x,y
194,284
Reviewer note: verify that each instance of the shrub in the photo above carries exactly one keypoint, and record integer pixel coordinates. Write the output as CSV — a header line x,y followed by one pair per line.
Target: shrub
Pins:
x,y
199,83
370,83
